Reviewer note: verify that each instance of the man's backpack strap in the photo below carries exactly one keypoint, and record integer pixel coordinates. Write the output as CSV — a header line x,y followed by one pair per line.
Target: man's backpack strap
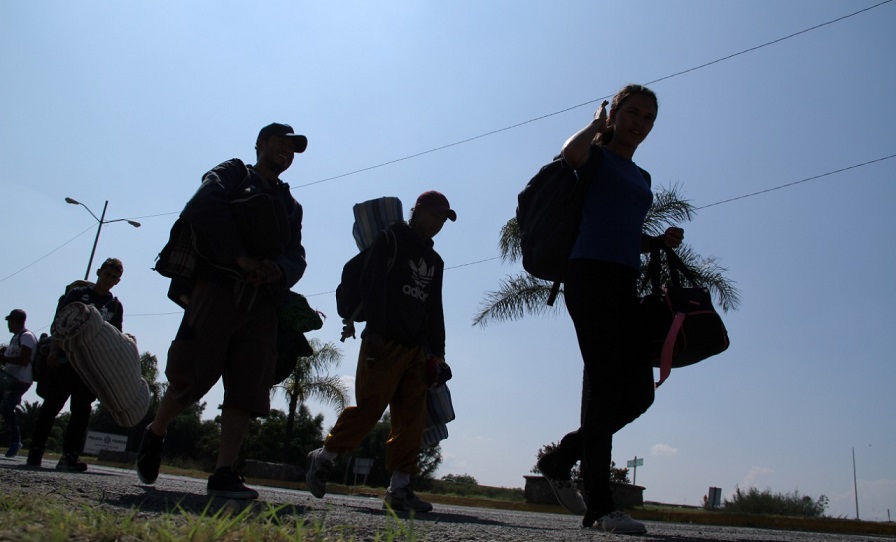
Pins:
x,y
348,324
230,174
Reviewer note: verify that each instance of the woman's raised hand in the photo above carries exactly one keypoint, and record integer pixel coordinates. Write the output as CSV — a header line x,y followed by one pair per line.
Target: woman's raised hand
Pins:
x,y
601,116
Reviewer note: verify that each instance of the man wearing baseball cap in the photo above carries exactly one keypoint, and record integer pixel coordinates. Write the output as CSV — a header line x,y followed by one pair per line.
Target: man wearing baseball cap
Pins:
x,y
16,360
401,347
246,230
299,142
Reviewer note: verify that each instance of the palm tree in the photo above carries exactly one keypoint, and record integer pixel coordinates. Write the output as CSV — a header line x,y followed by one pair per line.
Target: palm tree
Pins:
x,y
311,378
522,294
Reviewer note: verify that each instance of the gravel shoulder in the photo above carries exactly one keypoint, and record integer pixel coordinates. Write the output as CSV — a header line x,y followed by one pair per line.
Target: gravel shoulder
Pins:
x,y
359,517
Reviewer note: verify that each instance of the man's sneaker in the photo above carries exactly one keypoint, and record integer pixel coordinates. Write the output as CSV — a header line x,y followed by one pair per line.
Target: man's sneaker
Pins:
x,y
317,471
404,500
226,482
35,456
14,448
69,463
620,523
149,456
568,495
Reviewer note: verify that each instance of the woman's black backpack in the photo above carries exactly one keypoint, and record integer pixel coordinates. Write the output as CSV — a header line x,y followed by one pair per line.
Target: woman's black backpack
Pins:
x,y
548,213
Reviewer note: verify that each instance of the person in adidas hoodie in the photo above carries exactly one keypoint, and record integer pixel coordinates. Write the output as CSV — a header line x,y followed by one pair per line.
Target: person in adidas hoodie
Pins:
x,y
403,342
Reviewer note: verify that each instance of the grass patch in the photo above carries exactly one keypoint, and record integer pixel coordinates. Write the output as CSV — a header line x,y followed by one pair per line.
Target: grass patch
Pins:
x,y
52,518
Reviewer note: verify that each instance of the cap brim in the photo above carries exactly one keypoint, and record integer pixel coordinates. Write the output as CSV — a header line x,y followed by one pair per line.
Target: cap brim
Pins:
x,y
449,212
452,216
299,142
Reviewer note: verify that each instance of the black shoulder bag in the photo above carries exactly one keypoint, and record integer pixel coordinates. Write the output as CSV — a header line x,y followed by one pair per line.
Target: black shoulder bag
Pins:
x,y
678,325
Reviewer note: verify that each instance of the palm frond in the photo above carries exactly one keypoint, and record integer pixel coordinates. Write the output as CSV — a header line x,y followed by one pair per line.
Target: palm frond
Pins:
x,y
516,297
707,272
509,242
669,207
522,295
311,378
327,389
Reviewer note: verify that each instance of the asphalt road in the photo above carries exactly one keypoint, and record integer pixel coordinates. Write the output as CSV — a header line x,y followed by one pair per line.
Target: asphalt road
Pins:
x,y
358,517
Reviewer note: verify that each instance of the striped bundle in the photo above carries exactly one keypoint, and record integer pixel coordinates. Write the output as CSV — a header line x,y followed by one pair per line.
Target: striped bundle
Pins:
x,y
106,360
372,217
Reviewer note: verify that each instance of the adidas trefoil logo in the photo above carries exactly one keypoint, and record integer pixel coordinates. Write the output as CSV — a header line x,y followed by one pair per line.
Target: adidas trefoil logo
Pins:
x,y
422,276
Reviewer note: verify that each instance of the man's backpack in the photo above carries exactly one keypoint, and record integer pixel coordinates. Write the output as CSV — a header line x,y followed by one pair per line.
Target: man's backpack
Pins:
x,y
548,214
180,256
372,218
39,361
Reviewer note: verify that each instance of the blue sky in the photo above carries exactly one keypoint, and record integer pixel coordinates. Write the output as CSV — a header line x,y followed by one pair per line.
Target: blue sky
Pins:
x,y
132,102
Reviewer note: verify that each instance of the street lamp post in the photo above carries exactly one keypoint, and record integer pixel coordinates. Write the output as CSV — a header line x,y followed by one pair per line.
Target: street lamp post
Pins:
x,y
100,221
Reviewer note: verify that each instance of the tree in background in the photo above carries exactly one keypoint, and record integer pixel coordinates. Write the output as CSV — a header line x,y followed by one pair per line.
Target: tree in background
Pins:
x,y
374,447
428,461
266,438
27,419
192,442
522,294
101,419
311,379
616,474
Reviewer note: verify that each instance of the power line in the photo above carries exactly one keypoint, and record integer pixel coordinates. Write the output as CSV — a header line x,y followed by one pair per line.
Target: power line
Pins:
x,y
561,111
745,196
807,179
517,125
751,49
47,254
664,78
736,198
156,215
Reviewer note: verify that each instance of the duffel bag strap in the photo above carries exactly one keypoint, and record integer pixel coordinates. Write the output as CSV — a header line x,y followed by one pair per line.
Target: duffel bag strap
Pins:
x,y
668,348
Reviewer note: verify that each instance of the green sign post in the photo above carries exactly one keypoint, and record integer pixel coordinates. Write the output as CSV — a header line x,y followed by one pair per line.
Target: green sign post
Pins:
x,y
634,464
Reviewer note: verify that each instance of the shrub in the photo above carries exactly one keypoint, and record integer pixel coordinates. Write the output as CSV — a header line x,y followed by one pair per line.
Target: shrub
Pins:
x,y
460,479
753,501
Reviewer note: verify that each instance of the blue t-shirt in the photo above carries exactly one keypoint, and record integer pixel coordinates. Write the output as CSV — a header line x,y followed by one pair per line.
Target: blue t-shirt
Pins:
x,y
613,215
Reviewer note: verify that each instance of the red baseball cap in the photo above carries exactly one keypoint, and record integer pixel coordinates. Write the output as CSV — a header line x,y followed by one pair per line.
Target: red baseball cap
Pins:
x,y
437,201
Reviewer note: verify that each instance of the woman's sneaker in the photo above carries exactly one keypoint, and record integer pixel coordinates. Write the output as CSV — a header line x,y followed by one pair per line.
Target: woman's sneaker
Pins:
x,y
404,500
226,482
568,495
564,488
620,523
